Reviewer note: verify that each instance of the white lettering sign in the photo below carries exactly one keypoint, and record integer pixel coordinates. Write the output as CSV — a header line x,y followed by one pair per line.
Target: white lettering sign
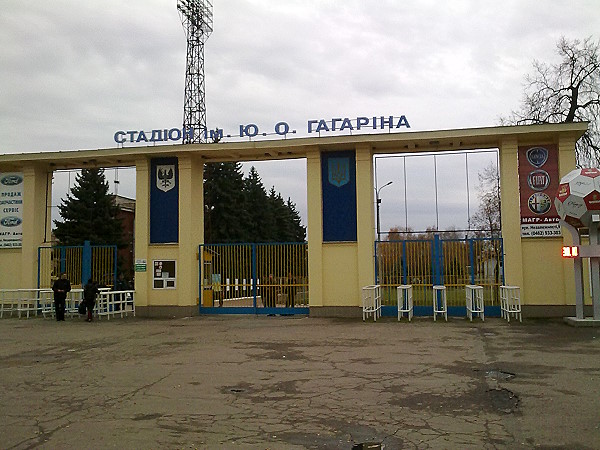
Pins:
x,y
11,209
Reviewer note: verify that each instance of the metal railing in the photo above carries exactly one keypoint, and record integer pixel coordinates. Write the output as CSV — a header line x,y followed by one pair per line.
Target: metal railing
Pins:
x,y
253,276
40,302
98,262
453,263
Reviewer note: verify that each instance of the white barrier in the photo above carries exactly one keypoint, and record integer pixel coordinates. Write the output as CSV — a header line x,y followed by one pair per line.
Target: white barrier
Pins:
x,y
371,301
405,301
33,302
113,303
440,304
23,301
510,302
474,301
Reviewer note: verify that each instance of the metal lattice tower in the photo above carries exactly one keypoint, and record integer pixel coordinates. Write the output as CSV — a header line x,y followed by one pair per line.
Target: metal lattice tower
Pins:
x,y
196,17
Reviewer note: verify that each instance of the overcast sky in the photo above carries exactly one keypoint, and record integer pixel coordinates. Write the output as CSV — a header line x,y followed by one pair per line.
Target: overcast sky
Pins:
x,y
74,72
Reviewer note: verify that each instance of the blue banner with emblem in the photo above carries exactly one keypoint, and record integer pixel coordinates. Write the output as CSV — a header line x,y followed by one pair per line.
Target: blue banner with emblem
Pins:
x,y
338,181
164,201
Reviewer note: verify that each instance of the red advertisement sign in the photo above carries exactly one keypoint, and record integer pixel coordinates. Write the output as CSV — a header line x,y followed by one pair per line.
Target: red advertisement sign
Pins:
x,y
538,183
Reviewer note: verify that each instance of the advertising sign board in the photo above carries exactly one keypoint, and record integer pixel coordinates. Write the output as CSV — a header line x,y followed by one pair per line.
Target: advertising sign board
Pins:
x,y
11,209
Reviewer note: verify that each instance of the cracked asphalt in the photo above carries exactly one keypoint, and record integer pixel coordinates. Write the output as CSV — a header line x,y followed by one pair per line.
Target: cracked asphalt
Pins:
x,y
298,383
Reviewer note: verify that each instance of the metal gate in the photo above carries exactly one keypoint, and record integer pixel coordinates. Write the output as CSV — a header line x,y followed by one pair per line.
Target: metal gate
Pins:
x,y
453,263
80,262
254,278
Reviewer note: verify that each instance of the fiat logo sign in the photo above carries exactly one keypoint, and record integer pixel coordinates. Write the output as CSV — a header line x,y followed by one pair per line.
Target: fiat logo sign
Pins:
x,y
538,180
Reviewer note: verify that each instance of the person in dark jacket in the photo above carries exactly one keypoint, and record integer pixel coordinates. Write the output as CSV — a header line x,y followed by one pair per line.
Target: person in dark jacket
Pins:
x,y
60,287
89,297
120,285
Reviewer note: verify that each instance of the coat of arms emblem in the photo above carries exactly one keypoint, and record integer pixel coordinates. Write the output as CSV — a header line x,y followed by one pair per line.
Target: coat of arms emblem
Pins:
x,y
165,177
339,171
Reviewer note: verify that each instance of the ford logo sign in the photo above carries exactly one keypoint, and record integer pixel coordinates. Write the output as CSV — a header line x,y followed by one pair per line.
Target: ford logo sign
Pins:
x,y
11,180
10,221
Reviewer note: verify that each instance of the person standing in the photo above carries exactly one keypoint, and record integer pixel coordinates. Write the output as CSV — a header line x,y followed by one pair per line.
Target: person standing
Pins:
x,y
60,288
120,285
89,297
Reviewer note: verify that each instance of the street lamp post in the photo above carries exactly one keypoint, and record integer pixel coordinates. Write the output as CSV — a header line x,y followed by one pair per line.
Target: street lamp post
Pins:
x,y
378,200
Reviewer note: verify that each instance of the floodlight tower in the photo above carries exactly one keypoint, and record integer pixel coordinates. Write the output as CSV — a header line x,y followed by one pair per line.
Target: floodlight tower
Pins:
x,y
196,18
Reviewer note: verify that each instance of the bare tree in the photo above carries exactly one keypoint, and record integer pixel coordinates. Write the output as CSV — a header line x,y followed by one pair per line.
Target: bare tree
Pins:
x,y
566,92
486,221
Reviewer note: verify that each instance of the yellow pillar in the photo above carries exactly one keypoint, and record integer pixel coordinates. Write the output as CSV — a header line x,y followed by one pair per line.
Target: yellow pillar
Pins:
x,y
365,222
511,214
142,222
35,220
191,231
314,227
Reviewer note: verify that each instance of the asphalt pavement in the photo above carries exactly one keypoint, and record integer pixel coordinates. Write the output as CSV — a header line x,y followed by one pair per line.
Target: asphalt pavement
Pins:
x,y
248,382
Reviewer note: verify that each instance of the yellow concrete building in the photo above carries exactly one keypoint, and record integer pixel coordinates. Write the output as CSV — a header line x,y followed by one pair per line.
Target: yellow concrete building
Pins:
x,y
337,268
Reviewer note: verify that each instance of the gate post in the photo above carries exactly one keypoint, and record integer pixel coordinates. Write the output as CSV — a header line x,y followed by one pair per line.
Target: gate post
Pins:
x,y
377,253
254,280
86,263
437,260
472,260
63,259
404,264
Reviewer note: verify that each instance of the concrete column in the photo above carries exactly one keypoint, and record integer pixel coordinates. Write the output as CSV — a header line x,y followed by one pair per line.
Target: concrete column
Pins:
x,y
511,214
314,227
191,230
365,221
143,280
35,220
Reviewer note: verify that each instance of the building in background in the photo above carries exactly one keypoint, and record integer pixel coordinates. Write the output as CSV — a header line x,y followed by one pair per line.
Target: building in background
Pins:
x,y
127,216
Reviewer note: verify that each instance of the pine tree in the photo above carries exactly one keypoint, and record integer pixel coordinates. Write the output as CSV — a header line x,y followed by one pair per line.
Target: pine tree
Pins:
x,y
89,212
225,214
238,209
286,219
298,231
276,208
260,224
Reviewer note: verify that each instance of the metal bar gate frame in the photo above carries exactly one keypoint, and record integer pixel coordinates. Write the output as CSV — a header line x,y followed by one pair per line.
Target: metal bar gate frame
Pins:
x,y
253,278
80,262
454,263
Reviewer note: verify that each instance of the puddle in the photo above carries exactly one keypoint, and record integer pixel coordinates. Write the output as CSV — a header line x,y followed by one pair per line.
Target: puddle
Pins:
x,y
503,400
499,375
147,416
368,445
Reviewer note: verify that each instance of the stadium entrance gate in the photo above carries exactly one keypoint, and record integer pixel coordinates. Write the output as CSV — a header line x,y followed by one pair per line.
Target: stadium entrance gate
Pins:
x,y
269,278
80,262
453,263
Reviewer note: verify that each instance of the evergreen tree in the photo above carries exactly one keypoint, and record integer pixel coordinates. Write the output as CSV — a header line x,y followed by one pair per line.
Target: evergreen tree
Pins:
x,y
238,209
260,226
225,215
298,231
278,216
89,212
288,227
